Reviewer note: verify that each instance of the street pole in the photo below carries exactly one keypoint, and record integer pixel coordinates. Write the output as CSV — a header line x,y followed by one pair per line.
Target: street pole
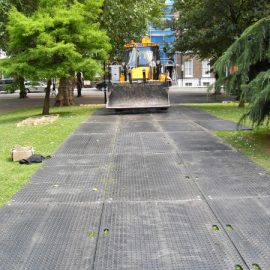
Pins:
x,y
104,83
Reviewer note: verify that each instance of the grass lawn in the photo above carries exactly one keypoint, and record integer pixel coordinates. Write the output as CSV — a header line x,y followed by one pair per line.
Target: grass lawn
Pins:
x,y
255,144
44,138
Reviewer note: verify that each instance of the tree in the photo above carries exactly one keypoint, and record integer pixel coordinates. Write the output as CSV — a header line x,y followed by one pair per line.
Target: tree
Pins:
x,y
125,20
58,38
27,7
208,27
246,63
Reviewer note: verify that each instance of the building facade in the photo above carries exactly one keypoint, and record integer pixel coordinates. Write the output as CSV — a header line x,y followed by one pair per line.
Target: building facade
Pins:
x,y
185,70
164,37
193,72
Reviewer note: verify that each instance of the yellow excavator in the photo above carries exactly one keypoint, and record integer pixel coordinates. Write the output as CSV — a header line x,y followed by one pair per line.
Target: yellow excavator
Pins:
x,y
141,82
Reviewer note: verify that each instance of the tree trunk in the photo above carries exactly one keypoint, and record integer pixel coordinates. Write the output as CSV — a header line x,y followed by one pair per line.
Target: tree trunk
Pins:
x,y
23,93
239,92
46,105
241,103
65,95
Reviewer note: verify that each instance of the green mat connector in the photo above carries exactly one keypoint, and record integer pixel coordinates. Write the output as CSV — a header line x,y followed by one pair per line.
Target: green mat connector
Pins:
x,y
92,234
255,266
106,232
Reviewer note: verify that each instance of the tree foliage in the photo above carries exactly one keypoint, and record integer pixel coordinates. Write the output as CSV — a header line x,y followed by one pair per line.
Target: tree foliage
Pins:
x,y
26,7
55,40
125,20
209,27
246,64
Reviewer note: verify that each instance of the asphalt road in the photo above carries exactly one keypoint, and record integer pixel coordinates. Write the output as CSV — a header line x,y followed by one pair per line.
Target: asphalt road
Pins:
x,y
12,102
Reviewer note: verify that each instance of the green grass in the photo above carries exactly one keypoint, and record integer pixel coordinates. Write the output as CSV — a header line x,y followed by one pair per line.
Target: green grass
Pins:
x,y
255,143
44,138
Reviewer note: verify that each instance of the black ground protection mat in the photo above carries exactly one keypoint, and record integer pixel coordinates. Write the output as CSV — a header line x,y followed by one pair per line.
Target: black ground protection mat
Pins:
x,y
95,118
201,116
136,117
163,236
105,112
124,193
87,144
88,128
94,160
128,143
156,143
169,116
136,177
220,163
140,126
143,142
241,186
207,120
185,109
48,236
221,125
65,184
68,174
179,125
197,141
82,190
249,221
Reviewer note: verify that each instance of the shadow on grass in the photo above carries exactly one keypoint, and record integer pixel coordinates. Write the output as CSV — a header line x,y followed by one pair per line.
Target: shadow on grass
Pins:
x,y
9,159
13,119
18,116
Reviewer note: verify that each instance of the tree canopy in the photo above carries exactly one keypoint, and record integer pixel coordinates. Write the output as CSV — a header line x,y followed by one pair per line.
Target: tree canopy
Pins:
x,y
208,27
53,38
246,64
125,20
26,6
57,39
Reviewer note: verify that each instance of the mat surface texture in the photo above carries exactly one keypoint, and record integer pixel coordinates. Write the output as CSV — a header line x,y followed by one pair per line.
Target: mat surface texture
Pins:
x,y
141,190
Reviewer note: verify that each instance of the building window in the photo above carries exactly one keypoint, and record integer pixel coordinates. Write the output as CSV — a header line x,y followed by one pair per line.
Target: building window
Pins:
x,y
188,68
206,68
188,84
206,83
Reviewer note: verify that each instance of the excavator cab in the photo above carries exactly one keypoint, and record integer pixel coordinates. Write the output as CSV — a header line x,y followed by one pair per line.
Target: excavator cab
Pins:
x,y
142,84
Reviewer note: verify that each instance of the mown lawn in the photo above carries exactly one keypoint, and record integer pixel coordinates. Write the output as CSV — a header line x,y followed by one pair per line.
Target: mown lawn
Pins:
x,y
44,138
255,143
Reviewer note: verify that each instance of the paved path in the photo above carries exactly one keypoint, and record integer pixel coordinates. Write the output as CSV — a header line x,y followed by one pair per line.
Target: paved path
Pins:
x,y
141,191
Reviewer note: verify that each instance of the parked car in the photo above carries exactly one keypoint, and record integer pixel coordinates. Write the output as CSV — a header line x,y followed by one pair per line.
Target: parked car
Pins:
x,y
31,87
6,83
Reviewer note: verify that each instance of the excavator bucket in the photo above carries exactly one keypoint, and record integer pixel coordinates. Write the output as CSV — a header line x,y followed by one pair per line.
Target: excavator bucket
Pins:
x,y
138,95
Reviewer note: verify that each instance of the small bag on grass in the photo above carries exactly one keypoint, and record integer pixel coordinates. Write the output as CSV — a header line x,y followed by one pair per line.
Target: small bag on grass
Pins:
x,y
33,159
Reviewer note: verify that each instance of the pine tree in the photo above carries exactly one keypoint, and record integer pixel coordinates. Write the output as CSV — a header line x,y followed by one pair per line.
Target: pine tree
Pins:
x,y
245,67
208,27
